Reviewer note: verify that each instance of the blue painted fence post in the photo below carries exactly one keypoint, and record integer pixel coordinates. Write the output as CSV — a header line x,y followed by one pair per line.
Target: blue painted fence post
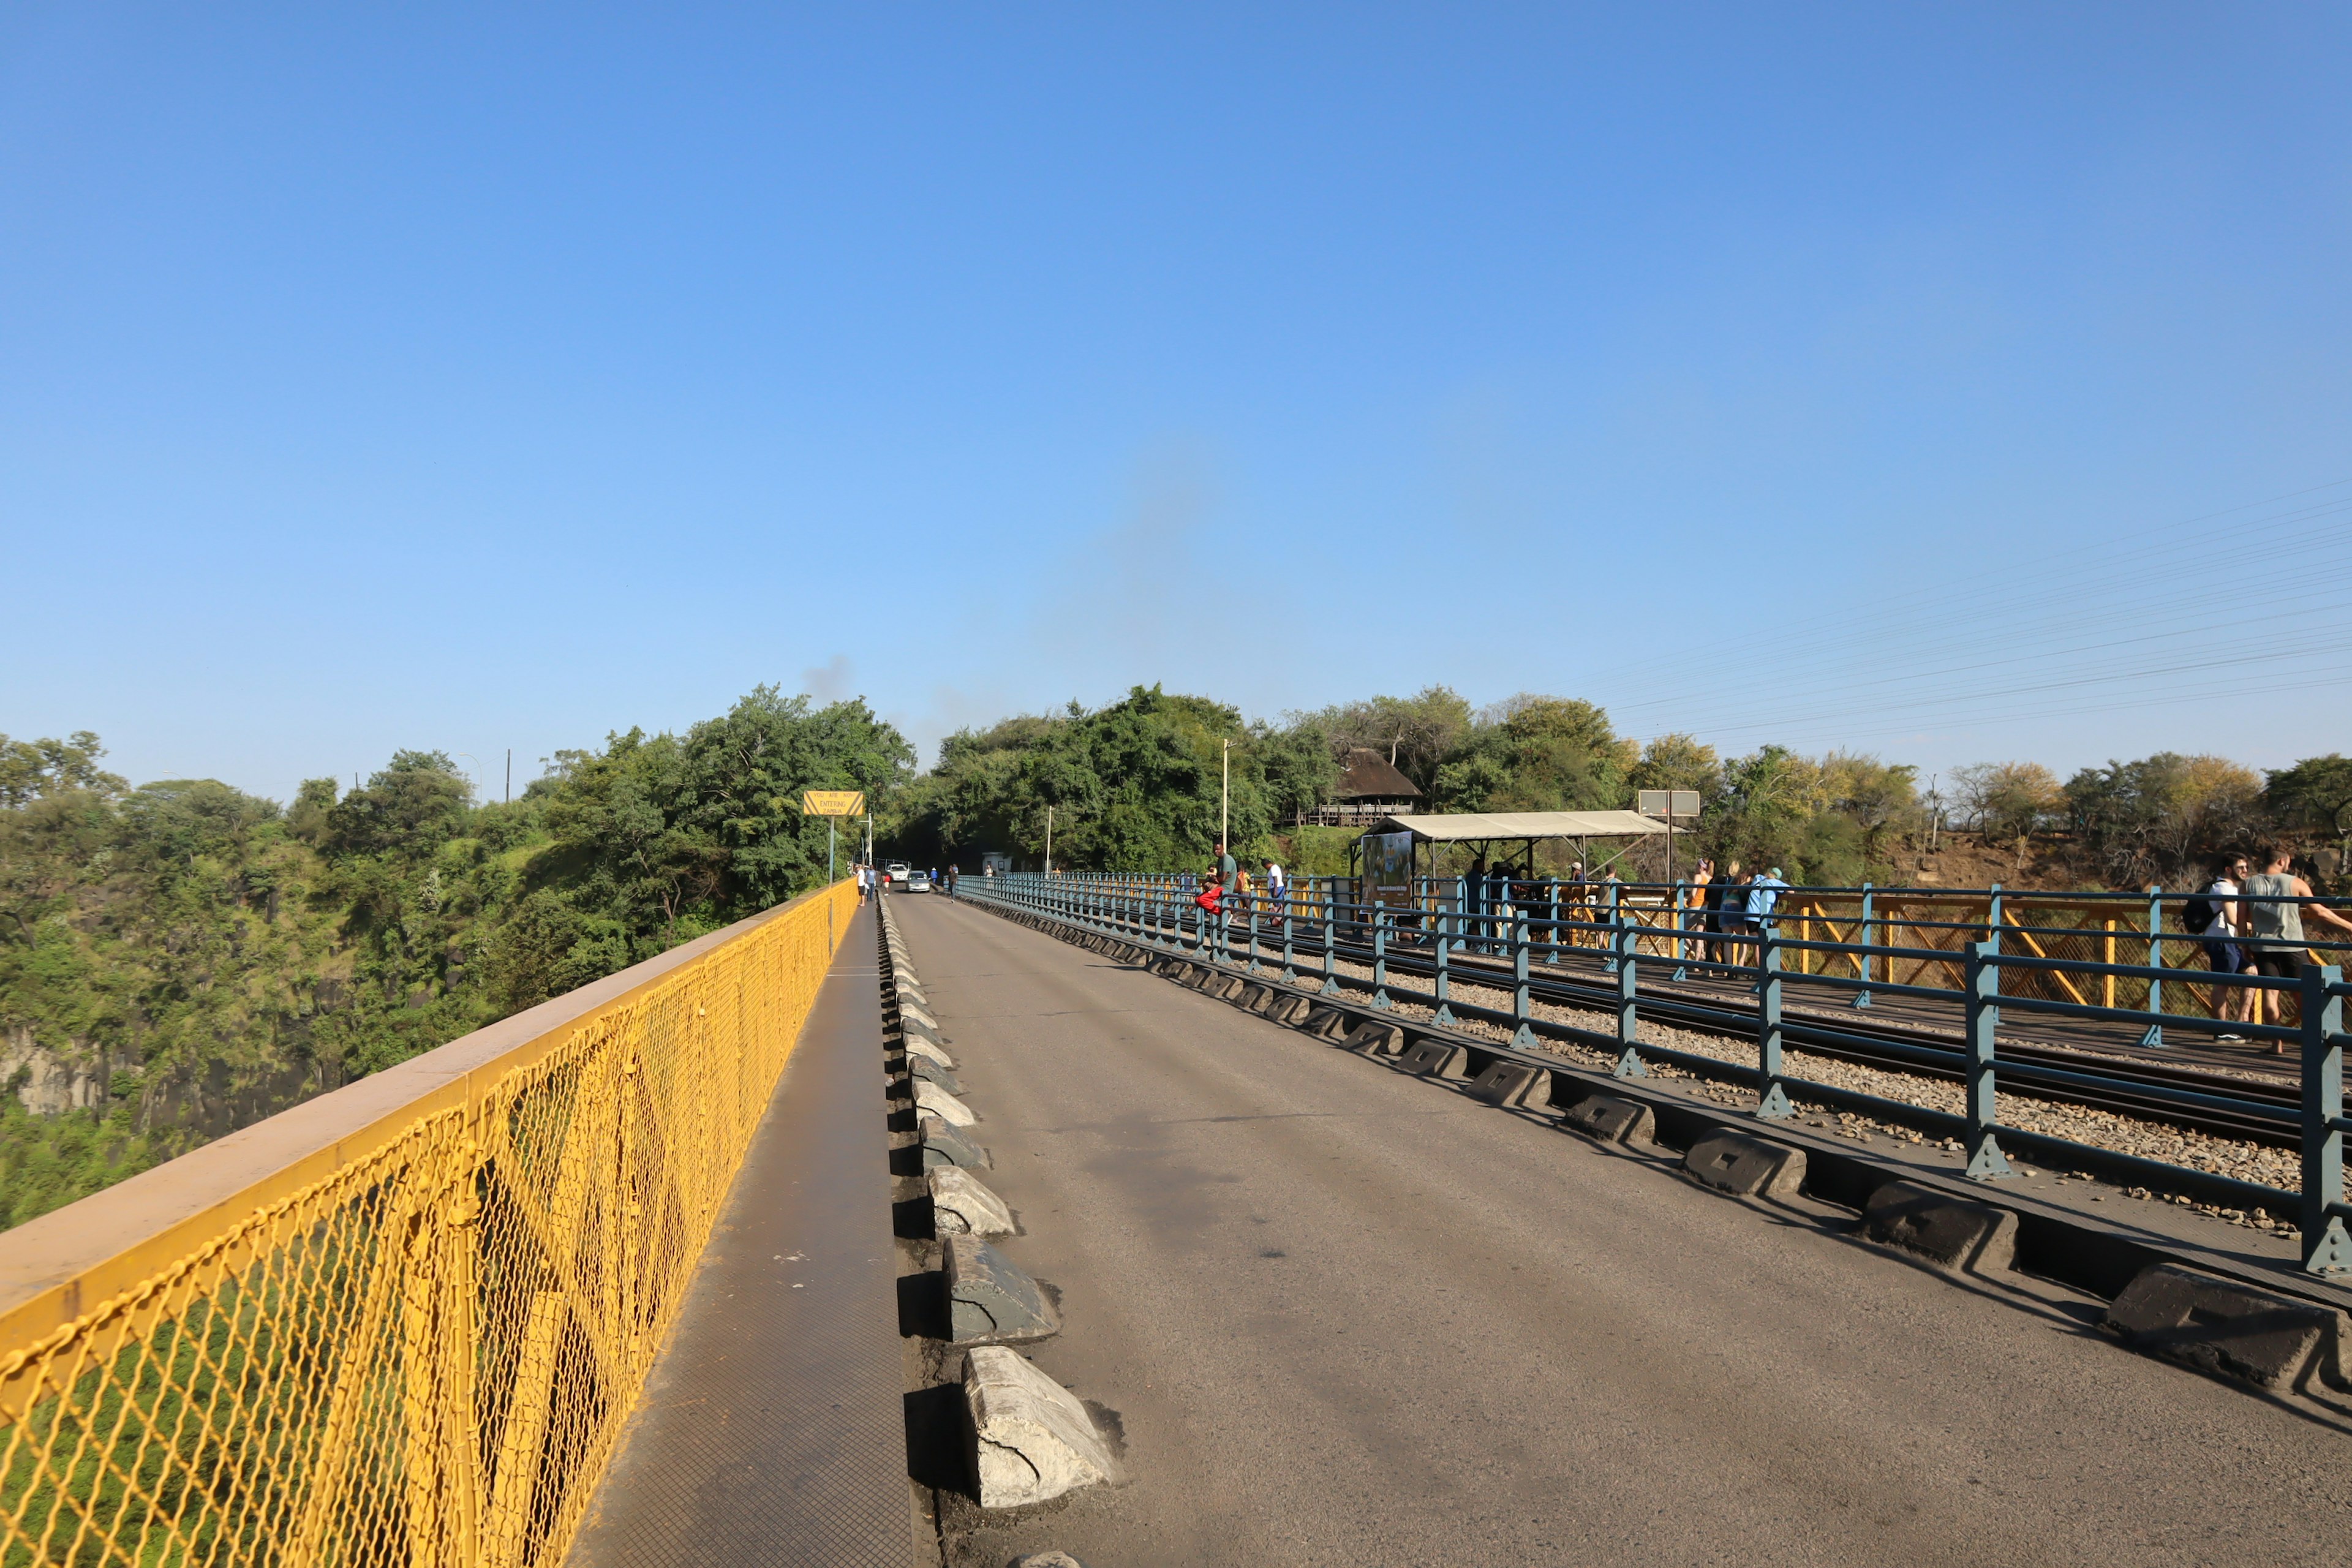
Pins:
x,y
1290,948
1773,1099
2154,1035
1380,1001
1986,1162
2325,1247
1862,997
1442,951
1525,1038
1330,936
1629,1023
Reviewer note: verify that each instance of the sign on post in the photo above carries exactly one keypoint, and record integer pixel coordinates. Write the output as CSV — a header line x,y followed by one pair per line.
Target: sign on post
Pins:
x,y
833,803
1388,867
1667,803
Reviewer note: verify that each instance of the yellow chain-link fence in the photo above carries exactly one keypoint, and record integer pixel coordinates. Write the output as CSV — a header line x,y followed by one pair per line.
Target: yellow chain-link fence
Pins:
x,y
424,1356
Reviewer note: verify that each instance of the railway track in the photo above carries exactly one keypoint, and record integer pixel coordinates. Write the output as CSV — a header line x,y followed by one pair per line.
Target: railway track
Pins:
x,y
2257,1110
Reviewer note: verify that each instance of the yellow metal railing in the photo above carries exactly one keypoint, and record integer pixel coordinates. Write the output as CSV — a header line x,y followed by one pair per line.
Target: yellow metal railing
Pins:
x,y
415,1346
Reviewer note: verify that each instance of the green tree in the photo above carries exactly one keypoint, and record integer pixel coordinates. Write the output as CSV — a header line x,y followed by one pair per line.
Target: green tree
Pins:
x,y
2156,816
1418,734
1679,762
32,770
2007,802
2314,795
1880,799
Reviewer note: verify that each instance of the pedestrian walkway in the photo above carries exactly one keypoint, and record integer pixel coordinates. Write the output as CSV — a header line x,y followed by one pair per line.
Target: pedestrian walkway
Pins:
x,y
770,1429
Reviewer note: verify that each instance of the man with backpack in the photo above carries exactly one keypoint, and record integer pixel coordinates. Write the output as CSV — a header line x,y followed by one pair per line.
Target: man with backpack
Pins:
x,y
2212,918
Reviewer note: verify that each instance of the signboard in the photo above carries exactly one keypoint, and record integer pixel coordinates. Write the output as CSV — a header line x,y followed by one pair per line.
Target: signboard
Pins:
x,y
1388,867
833,803
1669,804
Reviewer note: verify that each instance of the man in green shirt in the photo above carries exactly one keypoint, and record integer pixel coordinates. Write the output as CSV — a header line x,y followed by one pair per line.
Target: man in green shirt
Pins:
x,y
1226,868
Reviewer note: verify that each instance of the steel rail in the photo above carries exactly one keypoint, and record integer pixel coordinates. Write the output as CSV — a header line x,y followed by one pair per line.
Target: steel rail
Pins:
x,y
2252,1110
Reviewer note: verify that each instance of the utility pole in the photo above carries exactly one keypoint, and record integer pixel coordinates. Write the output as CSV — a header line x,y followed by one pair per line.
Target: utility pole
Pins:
x,y
1049,841
509,775
1224,802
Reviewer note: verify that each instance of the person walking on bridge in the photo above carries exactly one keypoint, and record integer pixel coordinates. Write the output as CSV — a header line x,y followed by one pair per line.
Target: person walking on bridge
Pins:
x,y
2217,904
1701,875
1728,897
953,877
2271,913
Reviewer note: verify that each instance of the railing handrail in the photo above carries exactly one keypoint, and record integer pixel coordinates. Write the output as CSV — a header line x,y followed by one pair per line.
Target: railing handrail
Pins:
x,y
56,1267
2319,992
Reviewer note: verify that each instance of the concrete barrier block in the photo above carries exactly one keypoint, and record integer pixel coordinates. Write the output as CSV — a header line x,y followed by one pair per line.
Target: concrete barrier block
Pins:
x,y
1437,1059
1609,1119
1375,1039
915,1013
1255,998
1290,1009
1749,1166
1223,988
1953,1231
1507,1084
2220,1326
988,1298
1032,1440
945,1143
916,1046
937,1101
931,1071
961,1205
1329,1023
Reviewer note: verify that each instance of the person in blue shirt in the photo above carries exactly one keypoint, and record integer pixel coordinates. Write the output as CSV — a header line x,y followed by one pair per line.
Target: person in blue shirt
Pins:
x,y
1764,896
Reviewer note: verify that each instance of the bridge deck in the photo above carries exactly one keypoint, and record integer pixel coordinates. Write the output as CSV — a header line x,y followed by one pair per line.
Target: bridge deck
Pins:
x,y
771,1428
1350,1317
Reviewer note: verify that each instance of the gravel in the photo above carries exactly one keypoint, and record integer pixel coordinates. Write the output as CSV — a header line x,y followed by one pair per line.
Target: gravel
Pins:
x,y
2081,1124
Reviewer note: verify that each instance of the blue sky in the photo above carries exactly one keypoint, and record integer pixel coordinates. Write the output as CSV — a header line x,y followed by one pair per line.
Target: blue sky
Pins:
x,y
488,377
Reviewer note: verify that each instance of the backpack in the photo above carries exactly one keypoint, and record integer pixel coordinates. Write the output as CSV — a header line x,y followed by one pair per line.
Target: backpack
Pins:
x,y
2199,913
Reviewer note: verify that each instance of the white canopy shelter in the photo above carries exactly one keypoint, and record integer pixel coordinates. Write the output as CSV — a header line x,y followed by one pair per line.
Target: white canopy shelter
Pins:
x,y
1488,827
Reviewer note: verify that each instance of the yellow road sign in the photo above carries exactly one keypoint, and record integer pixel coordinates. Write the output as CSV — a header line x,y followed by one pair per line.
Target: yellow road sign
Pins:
x,y
833,803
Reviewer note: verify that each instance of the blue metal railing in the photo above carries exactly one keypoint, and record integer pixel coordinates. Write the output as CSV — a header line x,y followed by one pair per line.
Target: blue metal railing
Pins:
x,y
1164,913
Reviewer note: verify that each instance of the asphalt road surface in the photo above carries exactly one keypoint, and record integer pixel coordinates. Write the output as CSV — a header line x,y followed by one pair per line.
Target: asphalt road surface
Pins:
x,y
1347,1315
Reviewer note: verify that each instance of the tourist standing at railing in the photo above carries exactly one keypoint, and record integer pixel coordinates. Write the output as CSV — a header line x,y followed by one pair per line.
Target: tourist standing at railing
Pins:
x,y
1276,886
2217,907
953,877
1730,905
1764,899
1227,869
1701,875
2271,913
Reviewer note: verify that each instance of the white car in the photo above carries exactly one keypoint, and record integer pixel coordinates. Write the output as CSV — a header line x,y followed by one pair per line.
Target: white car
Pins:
x,y
896,871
